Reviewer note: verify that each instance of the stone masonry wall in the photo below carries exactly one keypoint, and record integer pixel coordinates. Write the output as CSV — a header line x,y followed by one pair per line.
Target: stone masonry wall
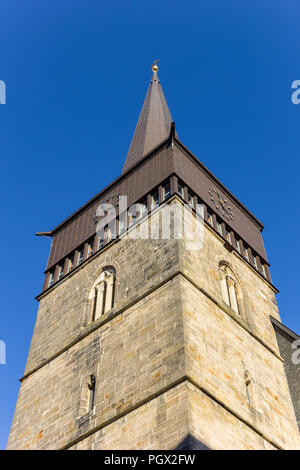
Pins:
x,y
168,358
164,423
65,312
218,351
291,367
134,356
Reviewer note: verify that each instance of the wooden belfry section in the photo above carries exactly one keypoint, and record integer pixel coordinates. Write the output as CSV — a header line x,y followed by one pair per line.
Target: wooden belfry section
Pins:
x,y
147,344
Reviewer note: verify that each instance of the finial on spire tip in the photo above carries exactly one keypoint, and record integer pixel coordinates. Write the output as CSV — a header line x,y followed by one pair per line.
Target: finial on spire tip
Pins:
x,y
154,66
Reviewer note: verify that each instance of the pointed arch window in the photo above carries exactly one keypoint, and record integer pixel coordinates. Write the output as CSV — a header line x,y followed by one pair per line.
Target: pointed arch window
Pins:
x,y
102,294
231,292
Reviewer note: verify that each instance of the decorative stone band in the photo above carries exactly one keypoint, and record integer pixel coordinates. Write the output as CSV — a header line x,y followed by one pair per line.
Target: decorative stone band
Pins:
x,y
108,316
181,380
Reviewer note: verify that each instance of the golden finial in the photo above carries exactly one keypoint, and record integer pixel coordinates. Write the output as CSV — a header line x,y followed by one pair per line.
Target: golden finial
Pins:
x,y
154,66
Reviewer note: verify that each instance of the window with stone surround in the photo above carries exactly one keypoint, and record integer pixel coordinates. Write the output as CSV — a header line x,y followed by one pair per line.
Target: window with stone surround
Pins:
x,y
102,293
87,396
249,389
230,288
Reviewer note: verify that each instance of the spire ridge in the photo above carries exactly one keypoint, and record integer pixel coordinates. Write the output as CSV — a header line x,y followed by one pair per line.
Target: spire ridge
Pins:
x,y
154,122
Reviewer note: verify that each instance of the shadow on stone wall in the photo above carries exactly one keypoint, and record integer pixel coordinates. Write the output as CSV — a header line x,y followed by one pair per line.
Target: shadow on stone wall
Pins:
x,y
191,443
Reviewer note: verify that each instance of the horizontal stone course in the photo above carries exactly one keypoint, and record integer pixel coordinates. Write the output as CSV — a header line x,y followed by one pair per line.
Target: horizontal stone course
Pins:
x,y
169,359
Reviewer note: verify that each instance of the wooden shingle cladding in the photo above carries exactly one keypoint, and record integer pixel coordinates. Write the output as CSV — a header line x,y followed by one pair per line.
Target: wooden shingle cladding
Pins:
x,y
170,158
134,184
200,180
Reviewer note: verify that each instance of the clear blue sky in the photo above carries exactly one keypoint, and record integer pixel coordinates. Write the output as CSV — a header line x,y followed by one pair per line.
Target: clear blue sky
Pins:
x,y
77,73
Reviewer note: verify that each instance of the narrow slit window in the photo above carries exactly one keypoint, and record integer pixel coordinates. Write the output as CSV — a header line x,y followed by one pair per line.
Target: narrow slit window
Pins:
x,y
166,192
60,271
254,261
70,263
100,243
131,218
92,388
51,279
143,208
87,397
107,234
90,249
80,257
190,200
154,200
249,389
180,190
210,218
122,223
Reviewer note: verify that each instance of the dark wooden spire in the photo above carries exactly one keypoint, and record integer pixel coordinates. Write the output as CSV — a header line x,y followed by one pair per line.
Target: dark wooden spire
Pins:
x,y
154,123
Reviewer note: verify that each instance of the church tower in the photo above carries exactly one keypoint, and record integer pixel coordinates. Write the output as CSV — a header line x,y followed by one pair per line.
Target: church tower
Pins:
x,y
151,341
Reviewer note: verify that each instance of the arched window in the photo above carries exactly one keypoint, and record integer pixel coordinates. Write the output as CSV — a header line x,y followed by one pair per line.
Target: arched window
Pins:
x,y
231,292
102,293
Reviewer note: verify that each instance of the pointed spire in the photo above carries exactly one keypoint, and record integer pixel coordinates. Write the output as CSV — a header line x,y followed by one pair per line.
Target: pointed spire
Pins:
x,y
154,123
